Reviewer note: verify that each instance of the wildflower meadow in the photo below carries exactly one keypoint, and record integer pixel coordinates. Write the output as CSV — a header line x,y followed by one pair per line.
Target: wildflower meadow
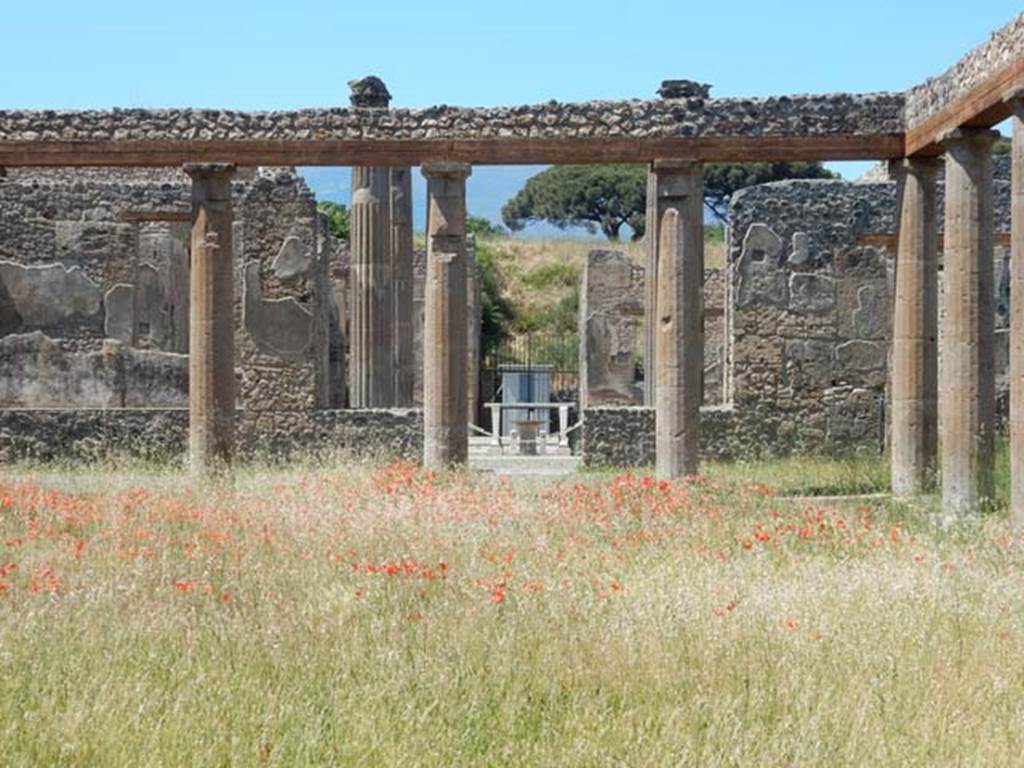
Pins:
x,y
350,614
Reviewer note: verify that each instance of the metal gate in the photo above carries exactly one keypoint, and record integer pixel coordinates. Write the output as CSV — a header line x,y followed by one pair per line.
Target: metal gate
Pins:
x,y
559,351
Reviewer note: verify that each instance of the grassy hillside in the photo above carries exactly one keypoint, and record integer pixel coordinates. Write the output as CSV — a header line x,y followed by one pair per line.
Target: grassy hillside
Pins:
x,y
541,277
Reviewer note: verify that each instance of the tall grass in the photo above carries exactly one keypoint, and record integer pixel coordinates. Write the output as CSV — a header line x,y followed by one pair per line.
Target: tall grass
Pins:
x,y
340,615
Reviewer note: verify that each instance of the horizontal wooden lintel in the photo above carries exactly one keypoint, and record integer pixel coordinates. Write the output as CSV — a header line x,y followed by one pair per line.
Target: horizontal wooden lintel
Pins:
x,y
493,151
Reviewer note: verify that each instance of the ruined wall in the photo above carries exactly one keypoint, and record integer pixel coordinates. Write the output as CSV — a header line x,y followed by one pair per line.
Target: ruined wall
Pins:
x,y
693,115
76,277
812,312
624,436
160,434
1004,46
282,349
612,325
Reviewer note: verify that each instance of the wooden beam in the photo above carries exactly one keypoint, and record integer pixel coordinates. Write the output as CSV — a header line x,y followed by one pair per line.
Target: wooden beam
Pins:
x,y
981,107
155,216
493,151
888,241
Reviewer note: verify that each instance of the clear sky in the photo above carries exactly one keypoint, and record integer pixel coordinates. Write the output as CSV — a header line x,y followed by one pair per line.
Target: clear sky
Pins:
x,y
299,53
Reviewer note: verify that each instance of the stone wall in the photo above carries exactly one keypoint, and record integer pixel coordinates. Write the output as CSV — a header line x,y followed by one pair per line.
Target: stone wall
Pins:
x,y
612,327
42,434
75,274
811,313
695,115
1000,50
623,436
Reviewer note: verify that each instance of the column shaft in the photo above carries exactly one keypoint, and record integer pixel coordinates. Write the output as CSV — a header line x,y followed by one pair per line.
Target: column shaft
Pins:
x,y
211,366
650,291
474,321
915,330
371,355
445,428
679,352
1017,322
968,383
401,266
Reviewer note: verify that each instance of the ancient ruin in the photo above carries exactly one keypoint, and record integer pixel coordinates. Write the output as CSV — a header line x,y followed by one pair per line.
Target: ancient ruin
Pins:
x,y
196,280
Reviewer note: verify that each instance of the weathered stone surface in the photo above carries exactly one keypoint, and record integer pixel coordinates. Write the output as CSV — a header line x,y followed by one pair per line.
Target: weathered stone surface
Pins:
x,y
119,304
49,294
211,354
859,355
36,373
161,434
760,280
808,363
624,436
1001,49
445,423
293,260
967,393
800,253
154,379
611,312
800,115
281,327
811,294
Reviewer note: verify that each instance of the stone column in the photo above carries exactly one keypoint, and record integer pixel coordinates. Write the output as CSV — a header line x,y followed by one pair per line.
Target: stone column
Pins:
x,y
445,429
474,320
968,383
915,329
401,268
650,292
211,363
371,345
1017,320
678,228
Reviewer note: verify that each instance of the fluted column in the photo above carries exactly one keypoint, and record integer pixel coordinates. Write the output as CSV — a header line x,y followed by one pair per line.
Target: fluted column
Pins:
x,y
401,268
474,320
650,291
915,329
679,352
1017,320
371,355
211,363
967,399
371,346
445,428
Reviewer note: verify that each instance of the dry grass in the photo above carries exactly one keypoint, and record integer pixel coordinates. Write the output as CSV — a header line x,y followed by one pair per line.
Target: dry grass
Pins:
x,y
340,615
542,273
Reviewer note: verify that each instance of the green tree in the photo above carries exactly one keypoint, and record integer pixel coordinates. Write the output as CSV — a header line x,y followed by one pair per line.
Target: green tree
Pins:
x,y
337,218
592,196
483,227
608,196
1003,146
721,180
498,312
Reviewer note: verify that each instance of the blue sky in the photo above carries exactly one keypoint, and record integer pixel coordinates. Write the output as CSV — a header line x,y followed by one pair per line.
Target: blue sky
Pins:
x,y
222,53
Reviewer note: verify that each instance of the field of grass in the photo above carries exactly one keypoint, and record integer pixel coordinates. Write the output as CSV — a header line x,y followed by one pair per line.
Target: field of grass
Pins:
x,y
382,615
541,276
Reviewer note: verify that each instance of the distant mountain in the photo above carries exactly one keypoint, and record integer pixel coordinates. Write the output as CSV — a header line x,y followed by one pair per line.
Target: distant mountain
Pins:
x,y
487,190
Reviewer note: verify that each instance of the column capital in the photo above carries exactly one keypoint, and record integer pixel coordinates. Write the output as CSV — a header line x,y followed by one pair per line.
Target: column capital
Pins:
x,y
677,178
448,170
919,166
1014,99
676,165
957,137
207,170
